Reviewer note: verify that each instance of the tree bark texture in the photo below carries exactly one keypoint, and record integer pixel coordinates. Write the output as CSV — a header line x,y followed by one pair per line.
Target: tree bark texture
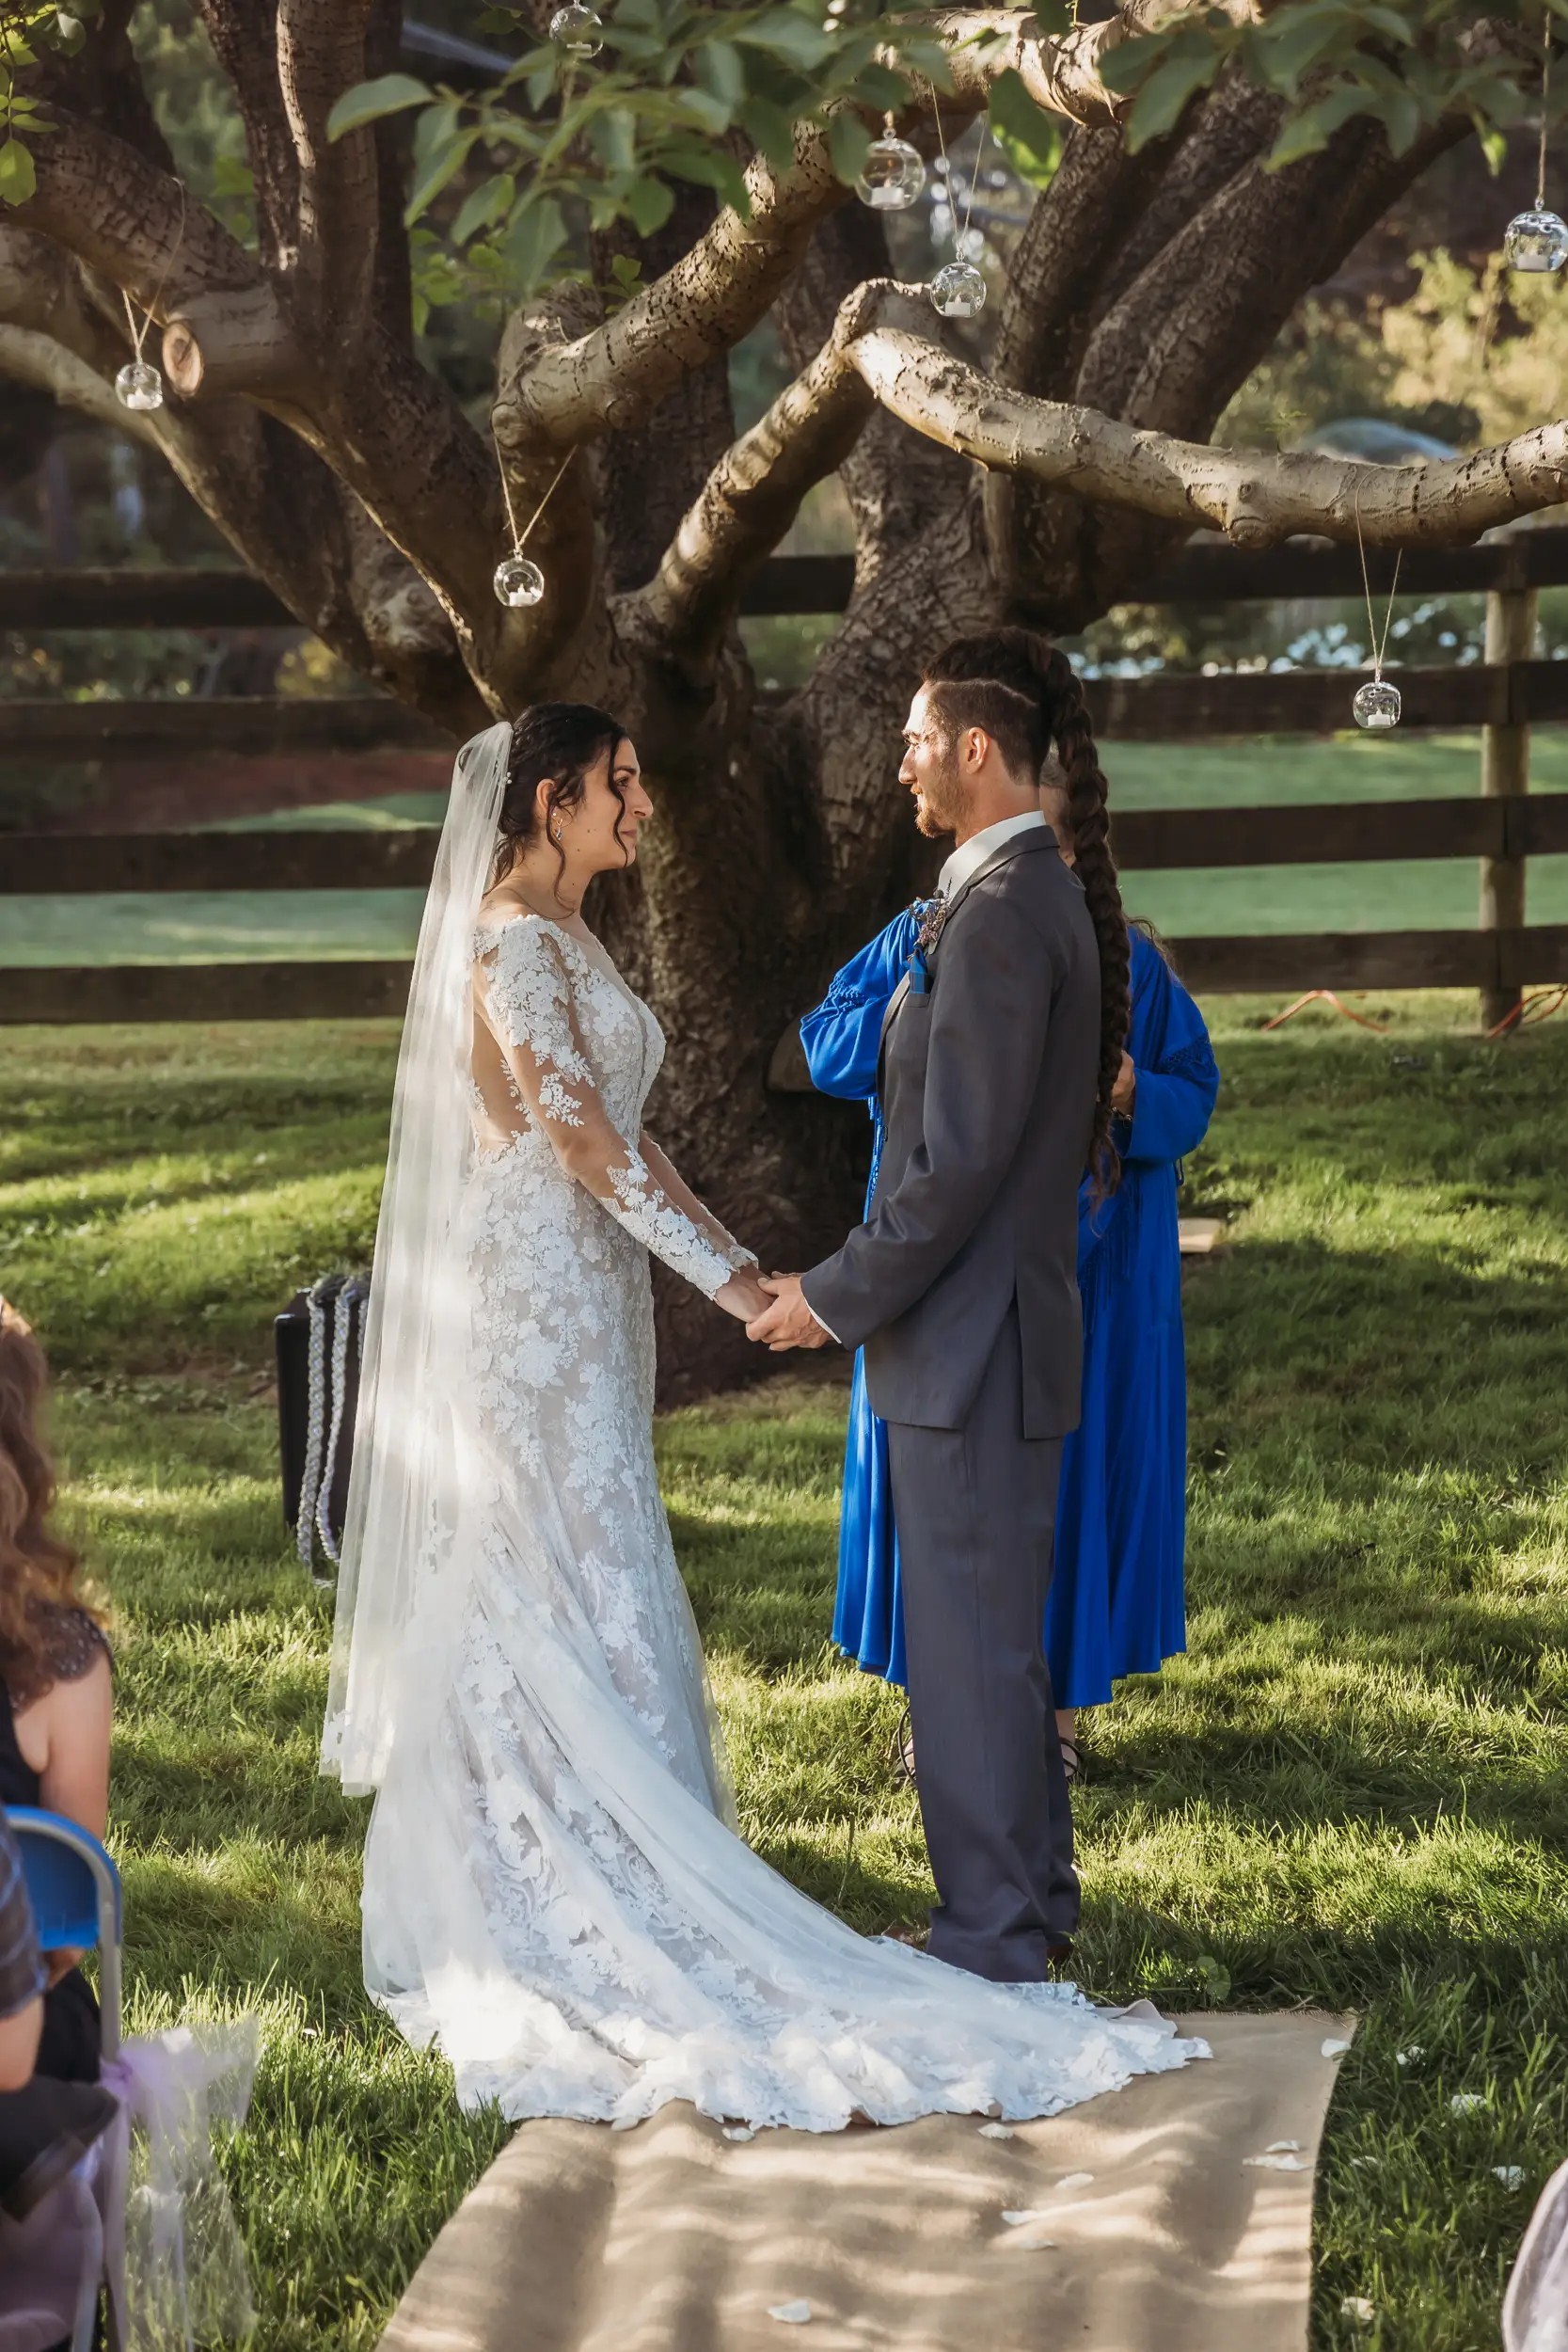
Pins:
x,y
1039,481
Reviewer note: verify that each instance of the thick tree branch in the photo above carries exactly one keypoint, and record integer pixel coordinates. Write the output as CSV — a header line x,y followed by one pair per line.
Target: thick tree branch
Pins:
x,y
1254,498
29,356
1061,71
321,54
244,41
753,494
611,378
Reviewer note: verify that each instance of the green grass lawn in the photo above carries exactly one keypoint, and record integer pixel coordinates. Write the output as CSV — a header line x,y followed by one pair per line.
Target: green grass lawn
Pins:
x,y
1411,894
1352,1792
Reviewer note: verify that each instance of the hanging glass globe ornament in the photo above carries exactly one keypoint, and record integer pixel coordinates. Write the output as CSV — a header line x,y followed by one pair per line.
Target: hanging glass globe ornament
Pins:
x,y
517,582
892,176
139,384
577,30
1536,240
959,292
1376,706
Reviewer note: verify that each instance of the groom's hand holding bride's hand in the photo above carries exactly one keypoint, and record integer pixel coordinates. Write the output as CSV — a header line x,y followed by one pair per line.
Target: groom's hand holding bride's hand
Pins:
x,y
744,1295
788,1322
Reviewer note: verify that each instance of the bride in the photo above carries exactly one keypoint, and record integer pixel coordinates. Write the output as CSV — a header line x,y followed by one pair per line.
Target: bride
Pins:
x,y
554,1890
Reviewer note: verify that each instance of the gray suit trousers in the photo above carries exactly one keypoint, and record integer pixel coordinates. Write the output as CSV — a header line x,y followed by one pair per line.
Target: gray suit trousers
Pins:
x,y
976,1511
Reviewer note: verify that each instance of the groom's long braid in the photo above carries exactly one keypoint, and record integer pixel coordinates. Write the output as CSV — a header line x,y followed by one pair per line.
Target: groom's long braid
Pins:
x,y
1028,665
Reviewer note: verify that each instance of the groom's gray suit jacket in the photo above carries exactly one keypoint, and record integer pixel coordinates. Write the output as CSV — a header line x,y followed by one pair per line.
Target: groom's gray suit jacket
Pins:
x,y
988,1086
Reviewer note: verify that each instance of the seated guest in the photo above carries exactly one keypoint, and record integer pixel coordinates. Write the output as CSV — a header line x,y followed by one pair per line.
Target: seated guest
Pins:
x,y
55,1698
22,1977
45,2127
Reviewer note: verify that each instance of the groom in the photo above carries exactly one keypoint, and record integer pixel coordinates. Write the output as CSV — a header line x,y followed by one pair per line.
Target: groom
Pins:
x,y
962,1287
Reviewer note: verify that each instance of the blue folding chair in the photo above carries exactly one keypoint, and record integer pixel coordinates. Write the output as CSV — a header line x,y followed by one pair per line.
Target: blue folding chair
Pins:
x,y
74,1889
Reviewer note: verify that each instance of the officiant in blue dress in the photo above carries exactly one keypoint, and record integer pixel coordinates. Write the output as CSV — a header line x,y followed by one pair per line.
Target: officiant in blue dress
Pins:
x,y
1116,1603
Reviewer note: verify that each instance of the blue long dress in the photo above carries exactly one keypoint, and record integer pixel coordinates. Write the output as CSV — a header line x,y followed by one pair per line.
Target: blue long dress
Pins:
x,y
1116,1603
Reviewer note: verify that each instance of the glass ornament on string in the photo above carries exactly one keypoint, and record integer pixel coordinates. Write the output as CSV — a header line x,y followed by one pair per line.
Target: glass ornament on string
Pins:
x,y
518,581
959,291
1376,705
139,386
1537,241
892,176
577,30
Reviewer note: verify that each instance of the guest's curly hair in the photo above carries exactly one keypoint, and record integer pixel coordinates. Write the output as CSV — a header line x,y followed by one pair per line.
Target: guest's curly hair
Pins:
x,y
39,1569
1027,696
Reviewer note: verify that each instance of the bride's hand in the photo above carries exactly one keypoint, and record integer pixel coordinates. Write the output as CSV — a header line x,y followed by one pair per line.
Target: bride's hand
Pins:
x,y
743,1296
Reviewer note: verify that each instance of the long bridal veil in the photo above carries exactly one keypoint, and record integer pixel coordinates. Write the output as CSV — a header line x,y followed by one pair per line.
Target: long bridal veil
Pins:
x,y
404,1497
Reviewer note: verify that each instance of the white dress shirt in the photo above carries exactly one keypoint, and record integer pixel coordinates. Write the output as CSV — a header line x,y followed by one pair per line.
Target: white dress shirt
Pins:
x,y
979,845
956,871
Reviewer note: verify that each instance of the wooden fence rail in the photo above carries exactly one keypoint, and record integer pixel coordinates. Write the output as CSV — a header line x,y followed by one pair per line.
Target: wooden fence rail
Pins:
x,y
1164,709
1203,572
1501,696
356,989
1145,840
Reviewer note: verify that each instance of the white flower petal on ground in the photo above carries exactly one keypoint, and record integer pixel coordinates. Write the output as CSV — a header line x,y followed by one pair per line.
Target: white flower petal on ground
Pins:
x,y
1465,2102
1076,2179
739,2131
1021,2220
1510,2175
996,2131
1283,2148
792,2315
1276,2164
1408,2058
1356,2308
1335,2049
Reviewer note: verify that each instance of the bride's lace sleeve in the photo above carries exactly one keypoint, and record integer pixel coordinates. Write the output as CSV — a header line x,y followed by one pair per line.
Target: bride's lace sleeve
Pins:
x,y
525,992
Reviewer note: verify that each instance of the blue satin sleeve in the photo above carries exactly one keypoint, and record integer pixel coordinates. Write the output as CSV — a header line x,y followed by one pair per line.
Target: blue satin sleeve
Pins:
x,y
843,1036
1177,1083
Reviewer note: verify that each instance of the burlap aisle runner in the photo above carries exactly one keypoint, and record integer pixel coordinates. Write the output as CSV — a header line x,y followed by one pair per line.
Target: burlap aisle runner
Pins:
x,y
670,2239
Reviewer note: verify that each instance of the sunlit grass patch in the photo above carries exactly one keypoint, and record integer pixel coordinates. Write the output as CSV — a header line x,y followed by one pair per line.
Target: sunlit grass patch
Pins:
x,y
1353,1791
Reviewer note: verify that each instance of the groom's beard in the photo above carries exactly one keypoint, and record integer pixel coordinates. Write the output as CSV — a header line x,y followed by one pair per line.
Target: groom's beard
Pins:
x,y
941,803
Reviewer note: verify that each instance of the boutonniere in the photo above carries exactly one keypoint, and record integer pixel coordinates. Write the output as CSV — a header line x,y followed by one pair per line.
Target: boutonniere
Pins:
x,y
930,918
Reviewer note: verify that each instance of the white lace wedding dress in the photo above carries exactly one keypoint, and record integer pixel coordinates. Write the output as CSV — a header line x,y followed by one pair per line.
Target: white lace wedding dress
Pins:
x,y
553,1890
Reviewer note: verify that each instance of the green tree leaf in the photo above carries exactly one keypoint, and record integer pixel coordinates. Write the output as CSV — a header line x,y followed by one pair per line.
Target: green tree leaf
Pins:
x,y
368,100
530,244
713,167
650,204
445,165
771,129
18,179
789,34
1165,97
848,140
483,206
1015,114
1309,132
719,72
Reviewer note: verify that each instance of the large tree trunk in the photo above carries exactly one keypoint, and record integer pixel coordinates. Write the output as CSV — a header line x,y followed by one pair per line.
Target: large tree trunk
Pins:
x,y
1142,291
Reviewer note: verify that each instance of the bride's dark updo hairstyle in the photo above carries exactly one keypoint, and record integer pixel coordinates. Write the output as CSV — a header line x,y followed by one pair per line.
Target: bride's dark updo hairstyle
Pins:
x,y
564,741
1027,696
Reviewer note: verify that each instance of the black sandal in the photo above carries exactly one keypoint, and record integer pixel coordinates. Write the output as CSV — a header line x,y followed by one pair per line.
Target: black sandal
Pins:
x,y
1073,1759
900,1754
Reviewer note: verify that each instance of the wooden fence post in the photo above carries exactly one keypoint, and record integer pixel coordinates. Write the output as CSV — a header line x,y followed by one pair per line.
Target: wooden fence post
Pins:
x,y
1504,774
